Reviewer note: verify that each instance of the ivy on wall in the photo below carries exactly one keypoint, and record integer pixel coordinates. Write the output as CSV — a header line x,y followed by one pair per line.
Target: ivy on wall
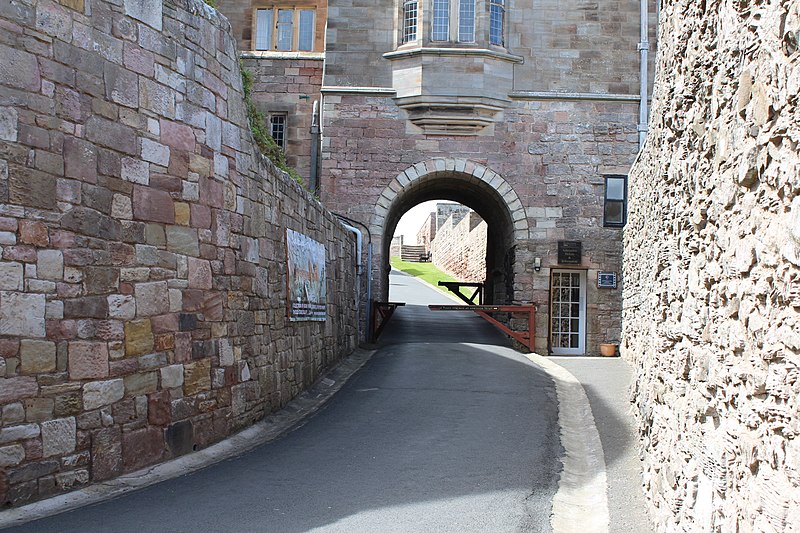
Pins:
x,y
258,125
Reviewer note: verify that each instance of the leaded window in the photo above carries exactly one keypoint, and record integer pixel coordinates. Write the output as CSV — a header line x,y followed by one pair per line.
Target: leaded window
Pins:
x,y
441,20
497,15
264,29
466,21
305,34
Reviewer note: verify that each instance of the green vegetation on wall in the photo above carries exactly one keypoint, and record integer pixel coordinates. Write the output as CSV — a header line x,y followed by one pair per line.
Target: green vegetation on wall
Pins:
x,y
258,125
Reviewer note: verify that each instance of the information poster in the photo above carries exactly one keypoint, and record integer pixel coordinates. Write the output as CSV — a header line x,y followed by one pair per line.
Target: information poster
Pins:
x,y
307,291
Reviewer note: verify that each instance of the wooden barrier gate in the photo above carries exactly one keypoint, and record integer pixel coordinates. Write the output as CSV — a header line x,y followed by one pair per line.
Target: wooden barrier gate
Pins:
x,y
526,338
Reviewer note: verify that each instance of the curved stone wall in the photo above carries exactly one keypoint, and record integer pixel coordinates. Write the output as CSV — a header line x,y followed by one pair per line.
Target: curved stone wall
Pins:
x,y
142,246
712,275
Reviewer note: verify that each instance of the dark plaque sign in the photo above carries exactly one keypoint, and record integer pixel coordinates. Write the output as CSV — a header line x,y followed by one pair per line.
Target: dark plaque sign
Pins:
x,y
569,252
606,280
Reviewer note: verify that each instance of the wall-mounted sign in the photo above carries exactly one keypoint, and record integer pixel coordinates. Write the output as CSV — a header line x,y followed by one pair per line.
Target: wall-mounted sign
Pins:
x,y
569,252
606,280
307,291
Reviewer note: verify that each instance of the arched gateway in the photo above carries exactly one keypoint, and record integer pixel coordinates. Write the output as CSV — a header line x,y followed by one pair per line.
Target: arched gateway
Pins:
x,y
469,183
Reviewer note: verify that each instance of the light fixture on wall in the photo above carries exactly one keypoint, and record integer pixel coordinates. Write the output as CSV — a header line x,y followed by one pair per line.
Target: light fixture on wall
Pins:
x,y
537,263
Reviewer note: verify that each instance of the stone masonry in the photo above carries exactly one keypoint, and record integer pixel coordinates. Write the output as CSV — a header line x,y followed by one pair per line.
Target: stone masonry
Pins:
x,y
142,246
288,84
712,249
460,248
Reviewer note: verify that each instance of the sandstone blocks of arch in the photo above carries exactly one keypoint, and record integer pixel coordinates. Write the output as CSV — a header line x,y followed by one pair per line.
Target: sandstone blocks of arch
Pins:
x,y
464,169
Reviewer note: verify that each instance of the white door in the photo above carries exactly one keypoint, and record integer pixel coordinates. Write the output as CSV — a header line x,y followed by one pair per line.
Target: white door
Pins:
x,y
568,312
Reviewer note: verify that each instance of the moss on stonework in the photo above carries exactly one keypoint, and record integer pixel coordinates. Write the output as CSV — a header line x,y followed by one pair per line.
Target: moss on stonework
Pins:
x,y
258,125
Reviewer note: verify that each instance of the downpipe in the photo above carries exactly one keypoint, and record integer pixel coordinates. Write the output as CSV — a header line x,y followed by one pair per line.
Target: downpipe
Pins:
x,y
313,179
359,273
644,49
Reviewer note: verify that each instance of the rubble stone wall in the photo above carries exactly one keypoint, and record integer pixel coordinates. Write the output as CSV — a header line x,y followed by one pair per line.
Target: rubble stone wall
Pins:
x,y
712,270
460,249
142,245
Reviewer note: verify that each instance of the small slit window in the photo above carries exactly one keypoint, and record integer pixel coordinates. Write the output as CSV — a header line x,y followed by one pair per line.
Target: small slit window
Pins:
x,y
616,199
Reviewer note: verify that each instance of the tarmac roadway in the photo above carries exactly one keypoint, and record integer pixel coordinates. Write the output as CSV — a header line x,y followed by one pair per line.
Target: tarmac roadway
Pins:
x,y
432,434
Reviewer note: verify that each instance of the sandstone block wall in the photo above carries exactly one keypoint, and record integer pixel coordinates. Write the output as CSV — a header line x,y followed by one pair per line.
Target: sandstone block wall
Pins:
x,y
142,245
712,275
460,248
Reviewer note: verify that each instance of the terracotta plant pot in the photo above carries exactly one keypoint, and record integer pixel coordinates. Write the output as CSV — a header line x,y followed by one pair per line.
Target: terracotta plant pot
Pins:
x,y
608,350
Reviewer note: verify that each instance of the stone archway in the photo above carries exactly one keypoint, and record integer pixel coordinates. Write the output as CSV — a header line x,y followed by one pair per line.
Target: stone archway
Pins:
x,y
471,184
418,173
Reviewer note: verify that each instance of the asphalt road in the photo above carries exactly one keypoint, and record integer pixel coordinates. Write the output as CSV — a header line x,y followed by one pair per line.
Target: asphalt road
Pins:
x,y
431,435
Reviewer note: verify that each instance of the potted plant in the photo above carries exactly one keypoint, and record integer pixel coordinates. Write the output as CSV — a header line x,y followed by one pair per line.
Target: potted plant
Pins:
x,y
609,349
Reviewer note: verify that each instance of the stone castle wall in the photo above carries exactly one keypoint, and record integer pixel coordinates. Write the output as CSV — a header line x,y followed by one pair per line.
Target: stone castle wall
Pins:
x,y
460,249
142,245
712,276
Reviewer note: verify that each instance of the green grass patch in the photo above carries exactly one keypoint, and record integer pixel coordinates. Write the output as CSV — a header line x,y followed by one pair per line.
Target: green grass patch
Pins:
x,y
426,272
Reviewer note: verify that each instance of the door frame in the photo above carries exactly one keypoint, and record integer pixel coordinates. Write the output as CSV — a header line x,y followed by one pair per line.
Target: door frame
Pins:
x,y
582,318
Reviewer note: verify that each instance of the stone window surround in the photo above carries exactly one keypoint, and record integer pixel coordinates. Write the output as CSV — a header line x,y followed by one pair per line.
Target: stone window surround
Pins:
x,y
424,26
295,47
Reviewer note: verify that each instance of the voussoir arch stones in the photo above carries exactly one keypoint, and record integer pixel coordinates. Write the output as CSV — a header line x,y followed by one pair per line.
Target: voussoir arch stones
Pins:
x,y
468,170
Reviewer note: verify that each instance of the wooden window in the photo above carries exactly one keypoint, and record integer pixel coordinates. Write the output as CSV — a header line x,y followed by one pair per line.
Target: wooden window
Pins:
x,y
616,199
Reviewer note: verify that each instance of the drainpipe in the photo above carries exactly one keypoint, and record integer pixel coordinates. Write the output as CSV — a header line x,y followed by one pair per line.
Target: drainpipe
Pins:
x,y
313,180
359,272
644,48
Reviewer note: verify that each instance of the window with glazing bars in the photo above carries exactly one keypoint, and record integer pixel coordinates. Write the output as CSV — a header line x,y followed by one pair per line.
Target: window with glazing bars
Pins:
x,y
277,128
466,21
410,14
497,15
616,200
441,20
